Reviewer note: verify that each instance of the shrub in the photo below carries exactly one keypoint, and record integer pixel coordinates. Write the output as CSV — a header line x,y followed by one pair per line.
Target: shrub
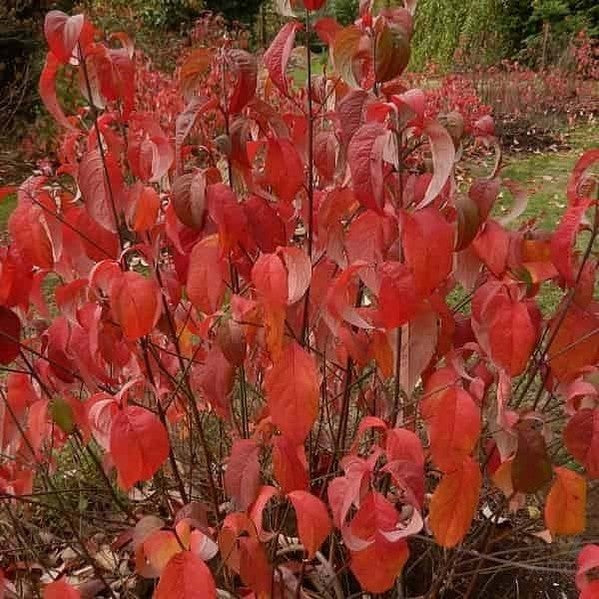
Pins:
x,y
232,359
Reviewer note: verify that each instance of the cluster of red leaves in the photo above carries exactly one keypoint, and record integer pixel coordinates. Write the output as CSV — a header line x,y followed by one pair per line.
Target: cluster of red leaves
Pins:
x,y
514,91
289,281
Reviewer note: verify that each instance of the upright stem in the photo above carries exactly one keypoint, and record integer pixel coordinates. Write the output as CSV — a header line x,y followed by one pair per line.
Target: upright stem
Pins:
x,y
310,224
162,416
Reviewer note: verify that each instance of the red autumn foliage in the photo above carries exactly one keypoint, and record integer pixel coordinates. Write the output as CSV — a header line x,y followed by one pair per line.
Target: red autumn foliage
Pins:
x,y
253,319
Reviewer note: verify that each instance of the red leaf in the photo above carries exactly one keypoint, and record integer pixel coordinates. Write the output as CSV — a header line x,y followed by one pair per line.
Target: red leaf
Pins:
x,y
443,151
29,229
505,328
326,28
292,391
62,33
61,589
576,343
215,378
378,566
10,335
278,53
428,241
454,503
314,4
283,169
206,275
242,476
144,204
418,342
266,227
47,89
454,428
97,194
351,113
581,437
512,337
313,520
186,576
186,120
399,301
588,560
189,196
228,215
246,70
138,444
299,272
565,507
136,305
492,247
270,279
365,158
374,530
289,465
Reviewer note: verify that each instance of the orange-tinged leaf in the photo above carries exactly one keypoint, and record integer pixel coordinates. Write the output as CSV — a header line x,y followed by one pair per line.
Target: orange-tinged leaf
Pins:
x,y
454,428
581,437
196,66
377,566
454,502
492,246
374,538
206,275
138,444
428,241
135,302
292,390
289,465
565,507
160,547
254,568
576,343
185,576
270,279
512,337
242,476
313,520
348,45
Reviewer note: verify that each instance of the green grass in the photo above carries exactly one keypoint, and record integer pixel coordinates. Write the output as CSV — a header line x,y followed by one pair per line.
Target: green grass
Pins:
x,y
546,175
6,207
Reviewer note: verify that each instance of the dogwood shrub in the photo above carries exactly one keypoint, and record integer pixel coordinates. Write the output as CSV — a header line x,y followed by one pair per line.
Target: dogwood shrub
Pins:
x,y
245,333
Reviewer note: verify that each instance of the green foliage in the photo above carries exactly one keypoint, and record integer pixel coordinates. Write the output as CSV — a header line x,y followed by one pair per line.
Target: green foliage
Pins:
x,y
486,31
169,14
444,26
245,11
345,11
